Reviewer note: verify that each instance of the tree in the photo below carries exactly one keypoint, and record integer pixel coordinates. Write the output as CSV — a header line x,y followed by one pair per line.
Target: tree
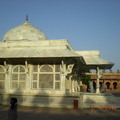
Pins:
x,y
85,80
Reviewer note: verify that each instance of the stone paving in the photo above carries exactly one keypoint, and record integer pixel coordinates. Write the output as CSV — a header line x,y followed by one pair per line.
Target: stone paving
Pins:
x,y
37,113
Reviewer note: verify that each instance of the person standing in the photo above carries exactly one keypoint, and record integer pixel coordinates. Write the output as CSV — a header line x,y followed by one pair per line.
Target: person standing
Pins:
x,y
12,112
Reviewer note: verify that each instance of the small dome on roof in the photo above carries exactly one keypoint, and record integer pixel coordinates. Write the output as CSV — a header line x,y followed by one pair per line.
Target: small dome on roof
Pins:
x,y
24,31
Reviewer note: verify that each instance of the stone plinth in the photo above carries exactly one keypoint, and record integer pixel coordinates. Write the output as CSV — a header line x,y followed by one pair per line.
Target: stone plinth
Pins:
x,y
103,99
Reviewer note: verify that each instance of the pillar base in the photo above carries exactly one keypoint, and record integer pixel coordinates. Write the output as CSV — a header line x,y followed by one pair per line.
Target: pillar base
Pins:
x,y
97,90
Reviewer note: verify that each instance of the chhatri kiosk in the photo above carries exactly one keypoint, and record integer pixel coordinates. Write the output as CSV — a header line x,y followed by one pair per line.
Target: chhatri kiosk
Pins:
x,y
42,72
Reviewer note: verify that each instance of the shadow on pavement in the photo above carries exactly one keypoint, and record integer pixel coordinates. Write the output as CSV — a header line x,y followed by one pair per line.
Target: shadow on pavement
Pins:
x,y
37,113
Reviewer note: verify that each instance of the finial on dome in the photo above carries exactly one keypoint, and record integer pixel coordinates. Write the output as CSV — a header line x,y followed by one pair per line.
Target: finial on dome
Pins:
x,y
27,18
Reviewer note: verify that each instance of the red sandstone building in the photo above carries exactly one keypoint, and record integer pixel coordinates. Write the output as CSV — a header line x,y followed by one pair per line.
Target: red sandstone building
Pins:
x,y
110,82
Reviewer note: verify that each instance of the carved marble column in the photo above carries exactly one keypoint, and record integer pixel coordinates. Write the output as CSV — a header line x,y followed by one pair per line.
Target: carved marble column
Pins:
x,y
63,75
70,84
99,75
69,74
97,82
7,76
91,86
28,76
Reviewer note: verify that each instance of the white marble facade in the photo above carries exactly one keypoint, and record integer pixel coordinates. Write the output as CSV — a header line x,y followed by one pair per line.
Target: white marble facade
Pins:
x,y
40,71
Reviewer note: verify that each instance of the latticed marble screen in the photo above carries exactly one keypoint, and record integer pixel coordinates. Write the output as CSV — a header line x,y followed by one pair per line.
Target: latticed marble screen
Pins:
x,y
57,76
46,76
18,80
2,77
46,80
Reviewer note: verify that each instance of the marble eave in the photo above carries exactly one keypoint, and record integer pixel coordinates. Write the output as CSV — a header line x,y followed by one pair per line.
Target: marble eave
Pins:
x,y
36,53
92,60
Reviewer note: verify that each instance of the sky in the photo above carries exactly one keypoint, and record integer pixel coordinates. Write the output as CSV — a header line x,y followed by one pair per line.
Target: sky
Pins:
x,y
86,24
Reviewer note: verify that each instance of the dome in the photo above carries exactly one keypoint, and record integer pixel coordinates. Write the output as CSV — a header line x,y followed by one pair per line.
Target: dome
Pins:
x,y
24,31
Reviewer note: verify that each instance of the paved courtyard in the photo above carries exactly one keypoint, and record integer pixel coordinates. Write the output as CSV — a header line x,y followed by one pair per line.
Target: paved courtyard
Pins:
x,y
37,113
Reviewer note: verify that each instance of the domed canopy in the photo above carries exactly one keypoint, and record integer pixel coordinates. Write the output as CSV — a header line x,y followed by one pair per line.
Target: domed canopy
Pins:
x,y
24,31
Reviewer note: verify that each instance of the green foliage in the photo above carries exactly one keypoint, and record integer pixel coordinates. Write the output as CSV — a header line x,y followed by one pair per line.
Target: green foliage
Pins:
x,y
86,79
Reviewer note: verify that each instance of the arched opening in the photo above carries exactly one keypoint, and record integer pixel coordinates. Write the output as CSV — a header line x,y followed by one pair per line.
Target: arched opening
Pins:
x,y
115,85
100,85
46,76
94,85
2,77
108,85
18,80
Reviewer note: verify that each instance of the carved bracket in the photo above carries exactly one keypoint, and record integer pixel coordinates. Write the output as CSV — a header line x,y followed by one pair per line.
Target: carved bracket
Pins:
x,y
69,68
27,67
100,73
6,67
